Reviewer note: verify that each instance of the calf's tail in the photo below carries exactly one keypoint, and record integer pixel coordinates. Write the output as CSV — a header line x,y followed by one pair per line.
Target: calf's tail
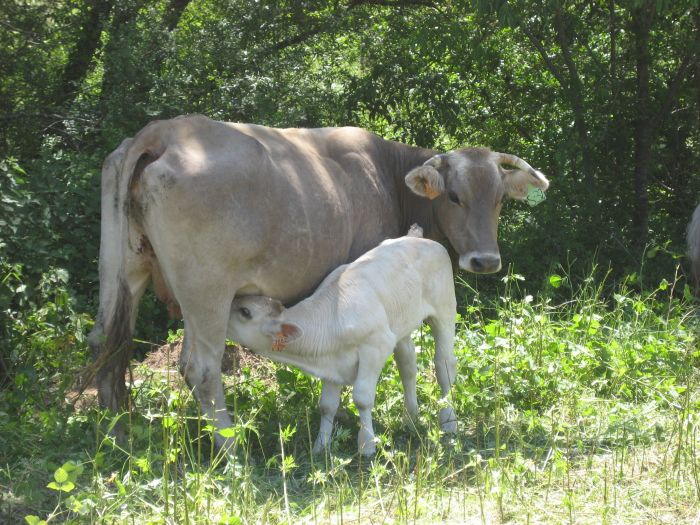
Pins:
x,y
415,231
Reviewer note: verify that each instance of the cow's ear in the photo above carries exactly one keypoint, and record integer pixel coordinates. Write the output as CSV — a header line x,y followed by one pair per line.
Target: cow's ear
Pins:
x,y
426,180
518,182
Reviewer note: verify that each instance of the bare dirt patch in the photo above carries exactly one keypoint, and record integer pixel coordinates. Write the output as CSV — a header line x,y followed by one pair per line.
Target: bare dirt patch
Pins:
x,y
164,360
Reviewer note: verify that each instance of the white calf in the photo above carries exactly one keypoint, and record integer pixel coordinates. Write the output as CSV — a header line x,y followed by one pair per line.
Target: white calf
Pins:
x,y
348,328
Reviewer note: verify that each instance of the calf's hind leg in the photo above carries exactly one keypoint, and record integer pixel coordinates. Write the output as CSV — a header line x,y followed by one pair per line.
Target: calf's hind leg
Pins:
x,y
405,356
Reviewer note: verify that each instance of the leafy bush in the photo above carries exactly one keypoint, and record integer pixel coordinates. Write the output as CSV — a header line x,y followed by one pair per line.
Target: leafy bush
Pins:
x,y
43,340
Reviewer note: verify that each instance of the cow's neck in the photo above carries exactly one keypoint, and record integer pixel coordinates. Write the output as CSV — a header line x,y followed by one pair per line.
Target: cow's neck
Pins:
x,y
414,209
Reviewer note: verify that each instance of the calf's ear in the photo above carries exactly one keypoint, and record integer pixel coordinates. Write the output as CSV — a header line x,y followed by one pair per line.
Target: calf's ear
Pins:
x,y
518,182
278,330
426,180
291,331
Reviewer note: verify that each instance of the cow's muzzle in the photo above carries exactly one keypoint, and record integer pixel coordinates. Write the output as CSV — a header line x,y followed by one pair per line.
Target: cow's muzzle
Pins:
x,y
480,262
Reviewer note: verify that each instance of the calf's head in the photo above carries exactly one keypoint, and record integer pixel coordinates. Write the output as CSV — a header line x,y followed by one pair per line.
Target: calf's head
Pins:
x,y
258,323
468,188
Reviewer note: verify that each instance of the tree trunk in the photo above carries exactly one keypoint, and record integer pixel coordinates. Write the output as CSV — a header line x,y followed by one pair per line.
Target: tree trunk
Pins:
x,y
81,55
642,18
174,12
574,92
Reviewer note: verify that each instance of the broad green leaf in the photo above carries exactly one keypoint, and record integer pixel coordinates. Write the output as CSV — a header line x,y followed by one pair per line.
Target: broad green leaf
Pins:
x,y
555,281
66,486
228,432
61,476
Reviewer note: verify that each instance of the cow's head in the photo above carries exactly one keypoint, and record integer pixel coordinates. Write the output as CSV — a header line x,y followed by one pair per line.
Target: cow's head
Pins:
x,y
468,188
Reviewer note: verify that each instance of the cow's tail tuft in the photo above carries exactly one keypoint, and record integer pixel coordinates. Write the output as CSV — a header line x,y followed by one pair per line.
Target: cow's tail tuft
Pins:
x,y
123,270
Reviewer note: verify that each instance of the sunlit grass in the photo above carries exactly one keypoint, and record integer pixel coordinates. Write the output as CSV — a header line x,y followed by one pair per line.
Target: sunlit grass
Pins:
x,y
575,406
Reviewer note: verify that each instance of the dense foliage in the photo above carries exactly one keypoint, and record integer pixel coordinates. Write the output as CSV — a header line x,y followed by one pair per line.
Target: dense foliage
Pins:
x,y
602,95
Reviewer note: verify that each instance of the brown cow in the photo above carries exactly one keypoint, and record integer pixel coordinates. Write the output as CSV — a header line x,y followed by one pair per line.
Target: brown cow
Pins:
x,y
210,210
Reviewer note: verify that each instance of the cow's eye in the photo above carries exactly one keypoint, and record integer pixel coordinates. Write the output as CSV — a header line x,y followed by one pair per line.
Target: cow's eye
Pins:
x,y
453,197
245,312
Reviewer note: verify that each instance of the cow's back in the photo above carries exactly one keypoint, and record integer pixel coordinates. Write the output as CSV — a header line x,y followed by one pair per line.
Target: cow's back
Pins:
x,y
257,209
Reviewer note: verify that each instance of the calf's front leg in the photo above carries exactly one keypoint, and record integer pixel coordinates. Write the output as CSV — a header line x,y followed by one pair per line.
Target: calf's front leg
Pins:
x,y
364,392
330,399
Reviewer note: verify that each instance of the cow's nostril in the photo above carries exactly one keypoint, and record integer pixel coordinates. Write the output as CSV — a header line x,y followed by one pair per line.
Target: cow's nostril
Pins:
x,y
484,263
480,262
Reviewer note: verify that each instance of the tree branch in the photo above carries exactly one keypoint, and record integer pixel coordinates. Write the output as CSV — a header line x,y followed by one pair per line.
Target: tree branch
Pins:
x,y
689,60
304,35
81,55
173,13
393,3
551,66
296,39
39,115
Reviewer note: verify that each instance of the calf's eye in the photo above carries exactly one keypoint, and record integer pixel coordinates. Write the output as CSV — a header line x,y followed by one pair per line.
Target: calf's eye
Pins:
x,y
245,312
453,197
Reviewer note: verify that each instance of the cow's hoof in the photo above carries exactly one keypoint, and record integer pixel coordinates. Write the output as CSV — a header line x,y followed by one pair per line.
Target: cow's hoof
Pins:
x,y
368,452
448,420
367,447
321,446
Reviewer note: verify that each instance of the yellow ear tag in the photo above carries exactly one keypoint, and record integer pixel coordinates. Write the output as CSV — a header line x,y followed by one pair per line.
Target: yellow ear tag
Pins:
x,y
534,195
279,342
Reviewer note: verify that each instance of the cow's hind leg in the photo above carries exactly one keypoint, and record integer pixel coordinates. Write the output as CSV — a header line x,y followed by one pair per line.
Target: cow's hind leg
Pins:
x,y
445,367
200,359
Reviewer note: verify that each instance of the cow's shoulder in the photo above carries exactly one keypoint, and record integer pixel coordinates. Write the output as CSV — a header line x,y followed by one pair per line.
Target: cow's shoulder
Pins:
x,y
348,139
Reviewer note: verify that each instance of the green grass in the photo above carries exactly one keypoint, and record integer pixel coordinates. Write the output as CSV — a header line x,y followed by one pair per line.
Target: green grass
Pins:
x,y
576,406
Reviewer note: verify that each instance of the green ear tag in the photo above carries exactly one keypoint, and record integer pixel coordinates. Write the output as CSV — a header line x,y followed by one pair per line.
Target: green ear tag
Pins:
x,y
534,195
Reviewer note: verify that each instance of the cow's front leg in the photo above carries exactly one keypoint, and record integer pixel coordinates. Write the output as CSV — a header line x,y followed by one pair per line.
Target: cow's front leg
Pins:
x,y
330,399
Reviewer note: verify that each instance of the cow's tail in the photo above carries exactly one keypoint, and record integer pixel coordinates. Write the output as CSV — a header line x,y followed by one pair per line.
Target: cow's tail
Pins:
x,y
124,269
415,231
694,249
